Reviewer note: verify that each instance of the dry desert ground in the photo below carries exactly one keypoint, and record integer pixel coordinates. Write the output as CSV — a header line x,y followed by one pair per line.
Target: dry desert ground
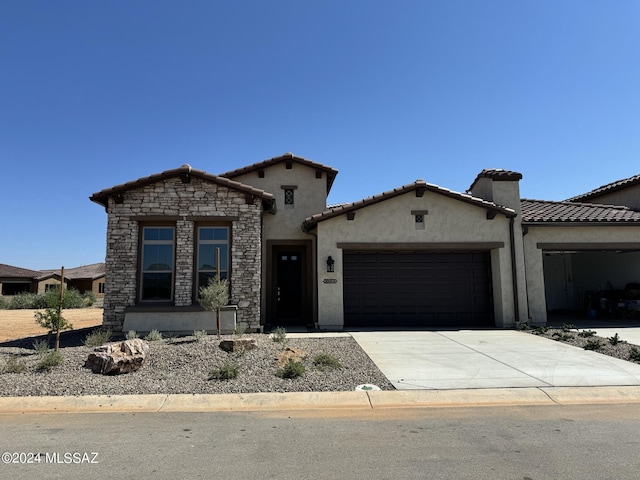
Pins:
x,y
21,323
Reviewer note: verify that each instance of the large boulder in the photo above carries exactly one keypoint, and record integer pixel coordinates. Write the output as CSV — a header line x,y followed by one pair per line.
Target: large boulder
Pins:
x,y
238,344
116,358
291,354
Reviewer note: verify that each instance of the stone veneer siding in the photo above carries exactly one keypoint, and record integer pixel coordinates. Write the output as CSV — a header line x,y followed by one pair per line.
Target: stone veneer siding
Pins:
x,y
174,201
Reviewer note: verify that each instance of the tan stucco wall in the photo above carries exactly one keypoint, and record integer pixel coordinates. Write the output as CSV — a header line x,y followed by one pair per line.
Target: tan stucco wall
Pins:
x,y
629,197
48,281
566,237
448,220
310,198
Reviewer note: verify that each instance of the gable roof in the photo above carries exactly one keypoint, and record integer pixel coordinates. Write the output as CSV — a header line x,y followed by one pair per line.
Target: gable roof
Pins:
x,y
608,188
542,211
497,175
287,157
93,271
185,173
17,272
420,186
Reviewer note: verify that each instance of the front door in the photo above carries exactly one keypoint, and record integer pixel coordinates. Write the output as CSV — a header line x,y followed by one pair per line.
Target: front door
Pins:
x,y
289,285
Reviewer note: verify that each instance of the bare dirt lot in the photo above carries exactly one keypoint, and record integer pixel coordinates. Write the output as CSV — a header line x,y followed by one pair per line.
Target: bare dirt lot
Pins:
x,y
21,323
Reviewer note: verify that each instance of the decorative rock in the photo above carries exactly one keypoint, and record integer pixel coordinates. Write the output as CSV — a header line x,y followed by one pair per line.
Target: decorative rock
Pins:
x,y
116,358
238,344
288,354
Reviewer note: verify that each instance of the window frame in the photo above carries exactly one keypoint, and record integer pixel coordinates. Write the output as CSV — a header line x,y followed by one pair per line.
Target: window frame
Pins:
x,y
142,271
196,257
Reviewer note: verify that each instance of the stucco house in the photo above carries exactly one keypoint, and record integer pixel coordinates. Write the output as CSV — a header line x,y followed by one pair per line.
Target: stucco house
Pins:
x,y
14,280
419,255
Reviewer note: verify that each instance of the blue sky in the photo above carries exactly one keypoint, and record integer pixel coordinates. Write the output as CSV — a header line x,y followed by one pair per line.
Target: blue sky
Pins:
x,y
98,93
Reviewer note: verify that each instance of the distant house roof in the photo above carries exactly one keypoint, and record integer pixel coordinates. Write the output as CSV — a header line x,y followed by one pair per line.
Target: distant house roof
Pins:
x,y
287,157
9,271
542,211
92,272
420,186
497,175
185,173
608,188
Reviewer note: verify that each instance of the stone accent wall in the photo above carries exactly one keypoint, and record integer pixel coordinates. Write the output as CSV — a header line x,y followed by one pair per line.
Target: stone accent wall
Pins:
x,y
178,203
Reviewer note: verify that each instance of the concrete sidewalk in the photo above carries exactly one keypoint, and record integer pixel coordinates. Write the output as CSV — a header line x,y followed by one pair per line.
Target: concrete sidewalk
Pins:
x,y
441,360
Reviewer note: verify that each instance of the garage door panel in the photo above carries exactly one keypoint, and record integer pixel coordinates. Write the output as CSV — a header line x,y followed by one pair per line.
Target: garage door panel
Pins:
x,y
417,289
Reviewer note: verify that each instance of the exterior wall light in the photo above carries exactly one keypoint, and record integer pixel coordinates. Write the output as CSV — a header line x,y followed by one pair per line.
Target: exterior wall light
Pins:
x,y
330,263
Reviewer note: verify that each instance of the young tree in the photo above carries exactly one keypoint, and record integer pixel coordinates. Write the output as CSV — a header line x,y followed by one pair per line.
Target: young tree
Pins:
x,y
215,296
52,318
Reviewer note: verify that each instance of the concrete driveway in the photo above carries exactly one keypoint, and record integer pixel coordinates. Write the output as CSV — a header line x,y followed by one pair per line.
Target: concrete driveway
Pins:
x,y
488,359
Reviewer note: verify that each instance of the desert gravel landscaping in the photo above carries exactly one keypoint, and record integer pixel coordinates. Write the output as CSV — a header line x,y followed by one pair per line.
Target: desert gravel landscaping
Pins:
x,y
182,365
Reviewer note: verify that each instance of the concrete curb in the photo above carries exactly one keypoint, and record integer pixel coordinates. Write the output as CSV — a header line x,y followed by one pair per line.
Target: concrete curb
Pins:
x,y
321,400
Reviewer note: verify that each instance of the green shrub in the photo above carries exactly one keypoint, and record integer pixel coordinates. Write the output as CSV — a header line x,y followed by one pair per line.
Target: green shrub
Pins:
x,y
26,300
540,330
200,334
131,334
615,340
292,369
49,360
14,365
634,354
227,371
240,330
97,338
567,327
325,360
562,336
586,333
41,346
4,303
153,336
88,298
279,335
593,344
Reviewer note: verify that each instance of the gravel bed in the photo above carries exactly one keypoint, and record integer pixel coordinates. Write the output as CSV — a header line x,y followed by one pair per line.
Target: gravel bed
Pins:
x,y
585,338
182,365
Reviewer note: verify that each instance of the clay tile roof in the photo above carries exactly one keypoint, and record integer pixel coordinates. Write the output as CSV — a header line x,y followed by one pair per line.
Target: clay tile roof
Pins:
x,y
185,171
310,222
331,172
93,271
542,211
17,272
497,175
608,188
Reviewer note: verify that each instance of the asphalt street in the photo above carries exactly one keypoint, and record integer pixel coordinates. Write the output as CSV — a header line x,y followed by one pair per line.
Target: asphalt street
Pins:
x,y
525,442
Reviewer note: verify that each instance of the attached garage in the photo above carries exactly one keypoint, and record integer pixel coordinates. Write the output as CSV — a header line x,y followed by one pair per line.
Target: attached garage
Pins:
x,y
387,289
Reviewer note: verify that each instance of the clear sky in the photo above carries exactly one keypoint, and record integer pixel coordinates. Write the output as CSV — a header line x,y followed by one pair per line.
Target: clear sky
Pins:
x,y
97,93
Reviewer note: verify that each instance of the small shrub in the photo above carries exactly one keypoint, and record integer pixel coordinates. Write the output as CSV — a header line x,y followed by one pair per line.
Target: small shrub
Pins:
x,y
292,369
131,334
14,365
227,371
634,354
200,334
615,340
88,298
593,344
41,346
562,336
279,335
586,333
26,300
153,336
325,360
97,338
4,303
240,330
49,360
567,327
540,330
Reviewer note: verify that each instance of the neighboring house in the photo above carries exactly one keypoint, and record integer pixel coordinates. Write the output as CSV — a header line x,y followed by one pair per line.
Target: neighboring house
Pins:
x,y
14,280
419,255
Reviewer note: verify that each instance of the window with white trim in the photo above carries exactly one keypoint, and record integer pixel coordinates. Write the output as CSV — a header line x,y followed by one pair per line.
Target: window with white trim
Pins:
x,y
157,272
210,239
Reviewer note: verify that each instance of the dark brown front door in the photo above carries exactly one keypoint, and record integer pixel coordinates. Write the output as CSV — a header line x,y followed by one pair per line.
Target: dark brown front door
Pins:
x,y
289,285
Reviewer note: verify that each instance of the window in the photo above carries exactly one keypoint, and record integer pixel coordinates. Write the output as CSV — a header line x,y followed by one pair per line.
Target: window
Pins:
x,y
101,287
157,264
210,239
50,286
288,196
